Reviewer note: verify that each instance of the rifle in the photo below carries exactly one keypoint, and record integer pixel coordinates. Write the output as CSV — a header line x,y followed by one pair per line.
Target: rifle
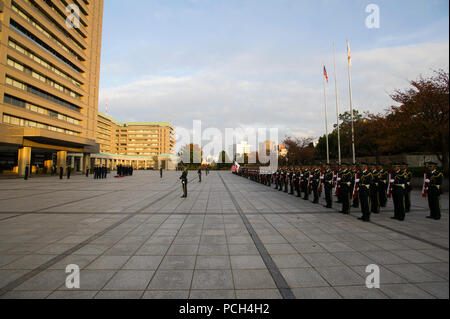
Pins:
x,y
356,185
337,185
320,182
425,184
389,194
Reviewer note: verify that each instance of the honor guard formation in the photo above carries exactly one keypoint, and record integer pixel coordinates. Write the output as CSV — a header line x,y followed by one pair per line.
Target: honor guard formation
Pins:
x,y
365,186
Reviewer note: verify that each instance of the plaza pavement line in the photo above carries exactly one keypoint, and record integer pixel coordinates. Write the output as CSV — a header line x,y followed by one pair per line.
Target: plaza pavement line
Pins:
x,y
278,278
16,283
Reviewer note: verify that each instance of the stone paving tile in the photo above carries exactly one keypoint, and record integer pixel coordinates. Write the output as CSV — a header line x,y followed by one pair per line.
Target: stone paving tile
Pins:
x,y
213,262
108,262
212,294
171,280
178,262
92,279
258,294
77,294
252,279
360,292
322,260
143,263
405,291
437,289
316,293
247,262
130,280
166,294
120,294
414,273
212,279
303,277
290,261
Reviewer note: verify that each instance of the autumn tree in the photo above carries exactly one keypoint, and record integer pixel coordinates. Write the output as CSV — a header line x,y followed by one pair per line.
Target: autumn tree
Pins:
x,y
421,121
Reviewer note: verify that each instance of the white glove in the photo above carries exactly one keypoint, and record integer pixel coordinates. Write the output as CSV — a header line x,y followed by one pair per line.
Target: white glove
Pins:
x,y
392,180
349,183
339,179
357,181
427,181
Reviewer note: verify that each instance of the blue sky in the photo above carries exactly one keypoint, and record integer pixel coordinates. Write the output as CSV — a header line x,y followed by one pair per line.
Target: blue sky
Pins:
x,y
179,60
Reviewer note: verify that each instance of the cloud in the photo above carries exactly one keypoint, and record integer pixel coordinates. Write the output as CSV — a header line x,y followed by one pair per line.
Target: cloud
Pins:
x,y
272,89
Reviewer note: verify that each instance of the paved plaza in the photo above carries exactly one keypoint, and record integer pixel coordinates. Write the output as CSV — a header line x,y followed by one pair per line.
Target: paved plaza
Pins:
x,y
135,237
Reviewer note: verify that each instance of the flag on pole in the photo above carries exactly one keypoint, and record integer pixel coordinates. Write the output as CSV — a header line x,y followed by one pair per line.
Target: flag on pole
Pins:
x,y
349,54
325,73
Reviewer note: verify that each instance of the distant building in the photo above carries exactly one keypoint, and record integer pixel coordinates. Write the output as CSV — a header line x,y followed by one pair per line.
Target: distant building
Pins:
x,y
133,143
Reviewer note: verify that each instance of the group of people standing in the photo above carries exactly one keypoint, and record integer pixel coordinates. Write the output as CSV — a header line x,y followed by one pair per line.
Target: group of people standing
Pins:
x,y
100,172
124,170
367,186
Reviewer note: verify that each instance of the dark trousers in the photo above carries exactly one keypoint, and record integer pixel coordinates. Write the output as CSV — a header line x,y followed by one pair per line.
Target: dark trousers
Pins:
x,y
382,194
315,188
306,191
291,188
407,200
345,198
434,202
364,197
297,189
184,185
398,196
328,195
286,185
374,199
276,183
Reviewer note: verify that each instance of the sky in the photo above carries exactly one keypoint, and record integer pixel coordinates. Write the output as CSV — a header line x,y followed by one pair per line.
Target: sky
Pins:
x,y
258,63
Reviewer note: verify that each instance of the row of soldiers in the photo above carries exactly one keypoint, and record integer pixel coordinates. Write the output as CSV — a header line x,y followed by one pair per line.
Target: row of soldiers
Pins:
x,y
366,185
124,170
100,172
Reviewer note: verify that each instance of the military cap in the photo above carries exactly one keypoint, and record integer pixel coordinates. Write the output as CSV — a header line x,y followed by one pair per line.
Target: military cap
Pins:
x,y
432,163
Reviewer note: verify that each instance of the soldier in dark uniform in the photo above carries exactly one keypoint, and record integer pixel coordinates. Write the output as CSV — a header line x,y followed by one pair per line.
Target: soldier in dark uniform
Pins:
x,y
338,184
199,172
296,182
184,182
398,192
87,171
374,193
354,170
61,172
365,183
291,181
286,180
277,178
105,171
69,170
305,182
27,171
328,186
281,181
434,180
345,188
408,190
161,173
315,184
383,178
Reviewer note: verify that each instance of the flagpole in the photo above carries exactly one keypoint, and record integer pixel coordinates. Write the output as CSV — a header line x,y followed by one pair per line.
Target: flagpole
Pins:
x,y
337,107
351,102
326,115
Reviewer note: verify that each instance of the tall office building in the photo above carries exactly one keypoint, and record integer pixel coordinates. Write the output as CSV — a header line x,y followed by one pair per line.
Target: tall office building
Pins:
x,y
49,81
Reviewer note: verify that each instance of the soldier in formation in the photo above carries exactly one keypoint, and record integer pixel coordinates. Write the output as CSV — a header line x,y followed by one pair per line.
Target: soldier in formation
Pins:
x,y
367,186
